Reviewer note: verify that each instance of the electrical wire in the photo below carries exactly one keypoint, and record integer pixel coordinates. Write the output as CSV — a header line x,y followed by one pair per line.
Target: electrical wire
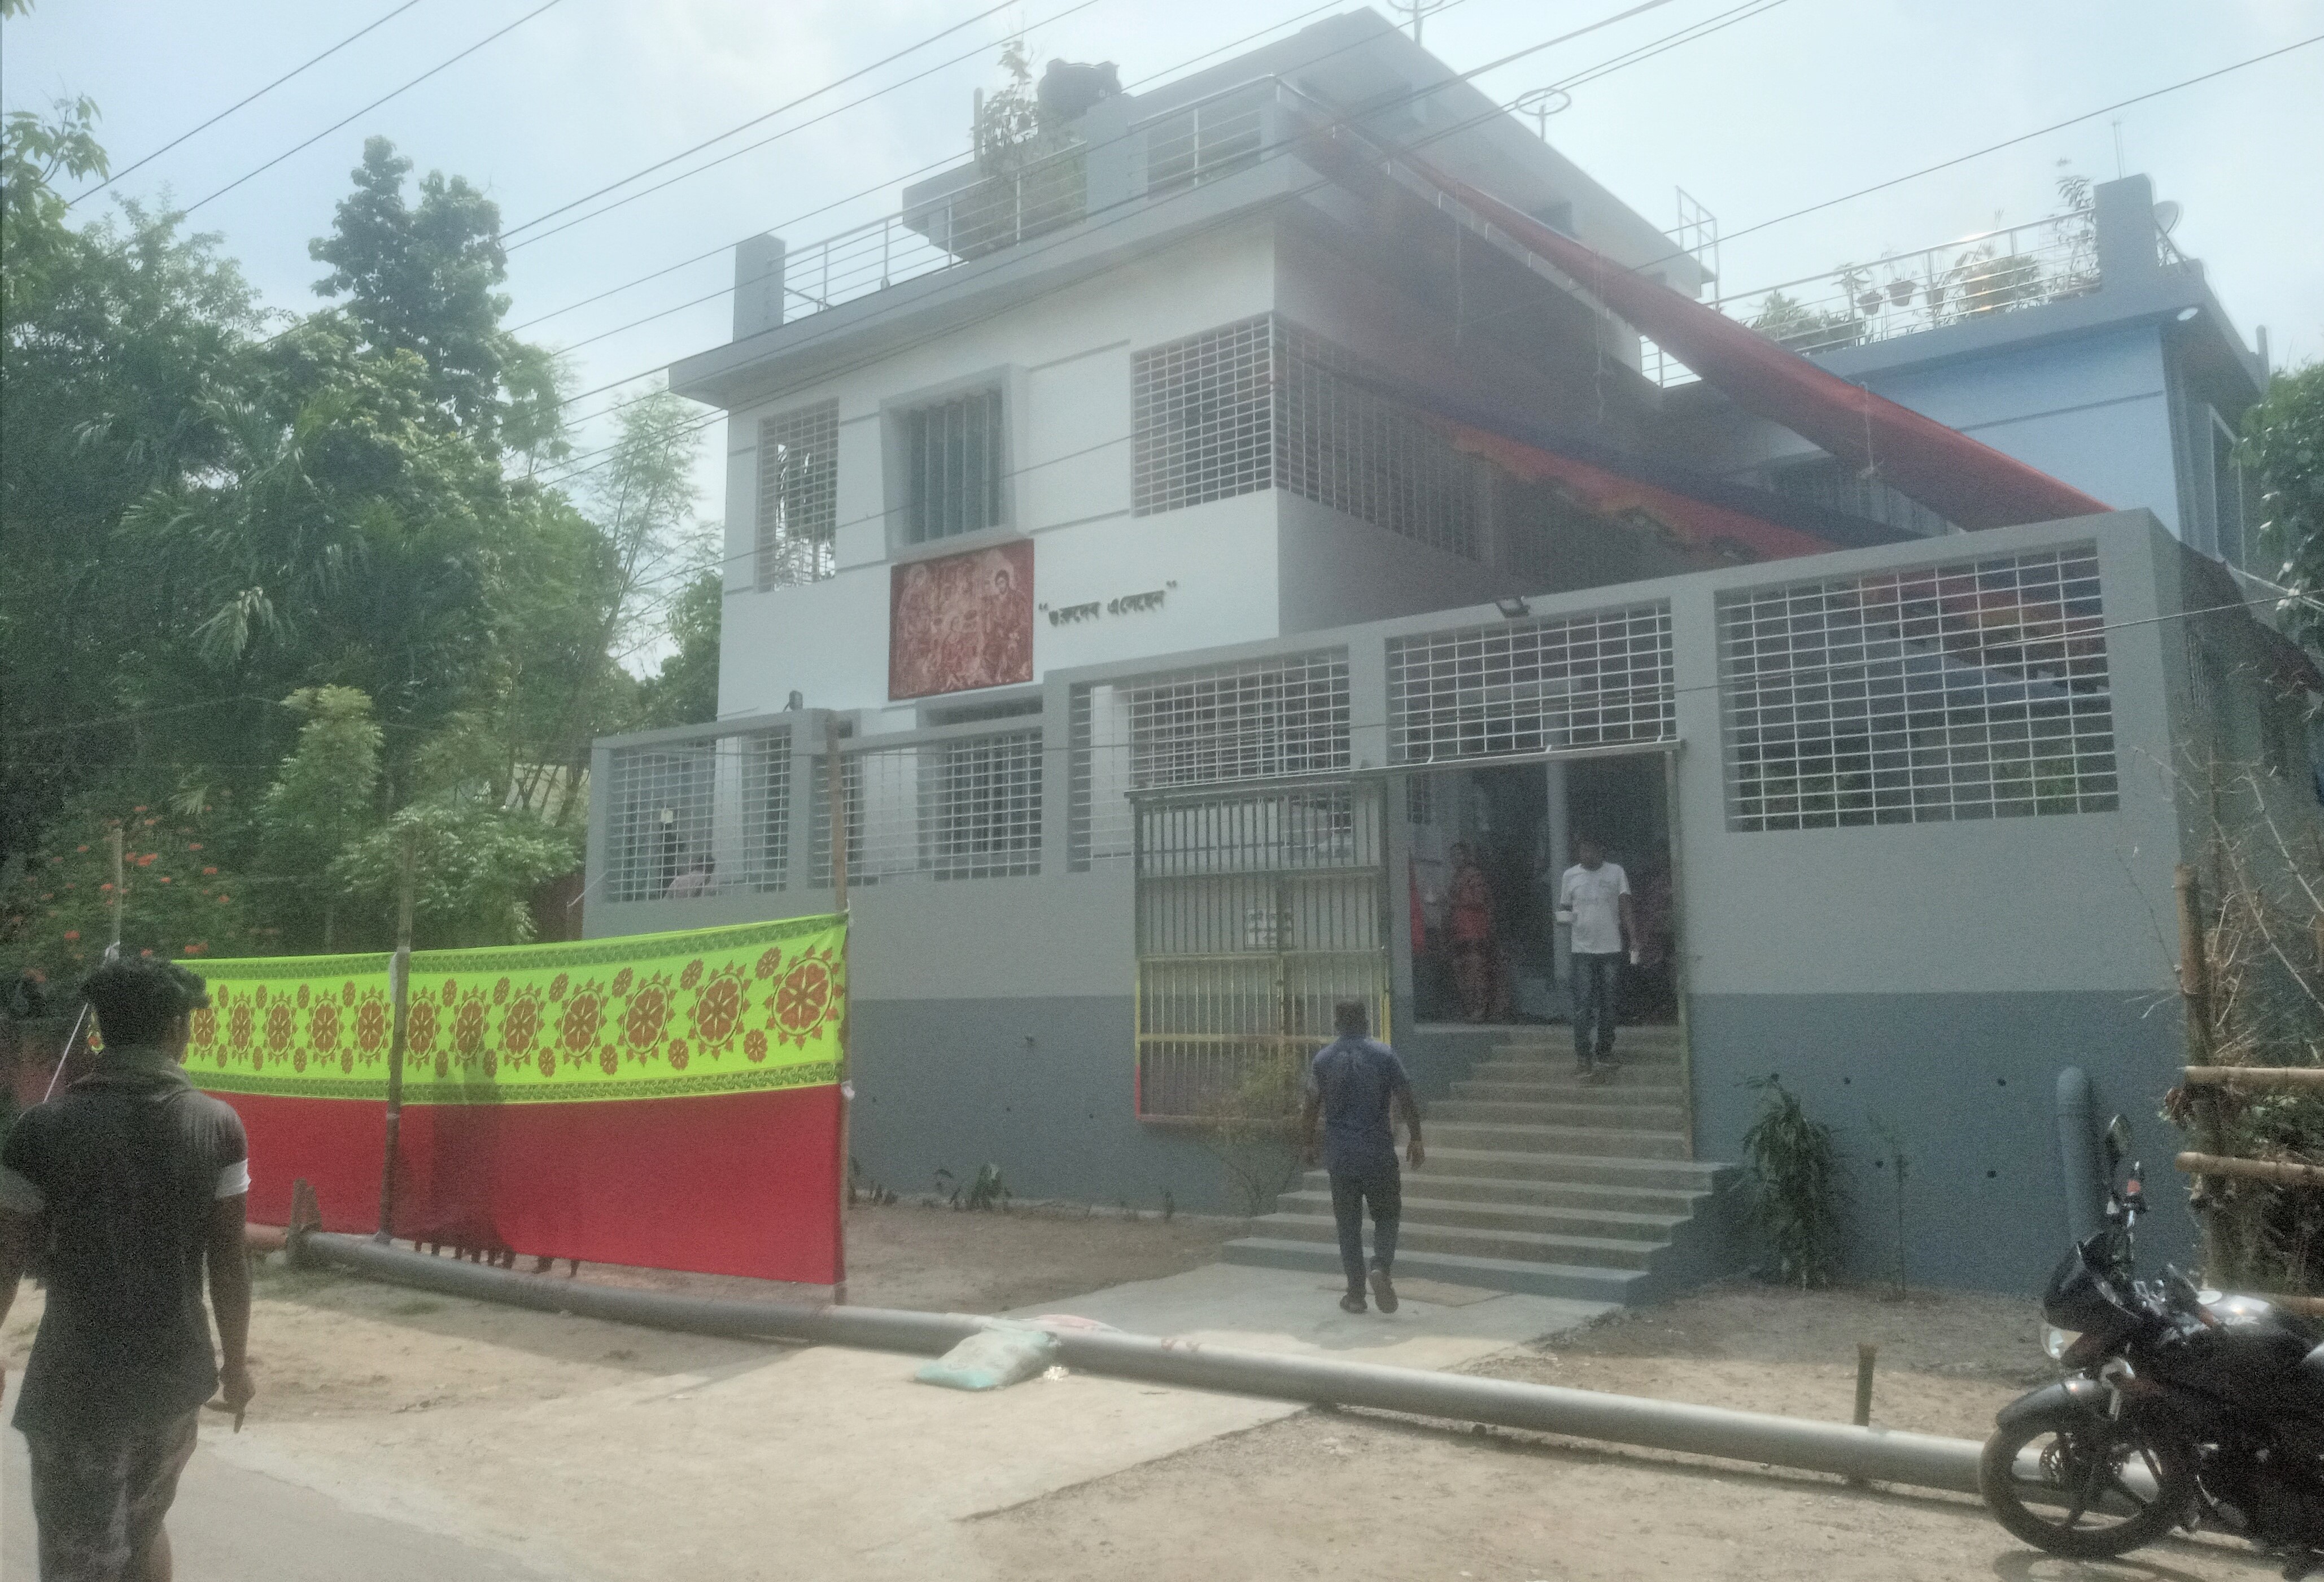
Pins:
x,y
238,104
794,104
368,108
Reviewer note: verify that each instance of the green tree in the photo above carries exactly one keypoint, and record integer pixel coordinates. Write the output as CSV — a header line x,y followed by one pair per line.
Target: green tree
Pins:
x,y
421,278
2283,447
476,868
684,691
323,799
180,898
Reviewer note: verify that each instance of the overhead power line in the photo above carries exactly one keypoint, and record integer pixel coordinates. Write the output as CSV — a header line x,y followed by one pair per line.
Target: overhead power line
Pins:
x,y
368,108
238,104
778,109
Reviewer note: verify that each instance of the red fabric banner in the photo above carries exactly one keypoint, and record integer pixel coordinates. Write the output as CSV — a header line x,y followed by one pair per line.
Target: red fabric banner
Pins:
x,y
731,1184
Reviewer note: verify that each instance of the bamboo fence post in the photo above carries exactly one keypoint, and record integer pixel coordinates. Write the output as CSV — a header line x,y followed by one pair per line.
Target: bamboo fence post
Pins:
x,y
399,986
837,798
120,887
2195,999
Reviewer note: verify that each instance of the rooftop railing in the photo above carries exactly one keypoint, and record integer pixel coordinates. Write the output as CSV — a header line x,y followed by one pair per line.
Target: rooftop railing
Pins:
x,y
1961,281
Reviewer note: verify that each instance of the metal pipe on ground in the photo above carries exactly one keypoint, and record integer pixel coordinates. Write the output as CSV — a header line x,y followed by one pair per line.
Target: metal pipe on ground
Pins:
x,y
1922,1460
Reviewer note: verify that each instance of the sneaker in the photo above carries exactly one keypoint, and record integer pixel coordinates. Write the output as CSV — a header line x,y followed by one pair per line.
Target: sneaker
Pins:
x,y
1352,1303
1383,1290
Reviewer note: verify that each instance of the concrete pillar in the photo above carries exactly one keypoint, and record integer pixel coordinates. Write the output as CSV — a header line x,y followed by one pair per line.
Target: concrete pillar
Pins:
x,y
1557,841
758,285
2124,214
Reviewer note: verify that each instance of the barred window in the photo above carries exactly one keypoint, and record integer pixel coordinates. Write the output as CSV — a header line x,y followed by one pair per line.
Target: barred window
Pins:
x,y
1532,686
1259,720
1365,454
662,828
968,809
798,496
1977,690
1263,402
1200,410
955,465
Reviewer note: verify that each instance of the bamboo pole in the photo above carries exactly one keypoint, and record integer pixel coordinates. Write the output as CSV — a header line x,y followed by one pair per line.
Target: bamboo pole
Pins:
x,y
837,798
2261,1077
398,983
120,888
2195,998
2281,1171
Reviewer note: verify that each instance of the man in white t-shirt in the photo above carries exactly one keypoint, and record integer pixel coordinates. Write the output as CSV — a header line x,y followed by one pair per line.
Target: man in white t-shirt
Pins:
x,y
1594,900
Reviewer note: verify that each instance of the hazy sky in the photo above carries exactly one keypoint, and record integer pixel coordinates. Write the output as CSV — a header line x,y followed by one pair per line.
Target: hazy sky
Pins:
x,y
1810,100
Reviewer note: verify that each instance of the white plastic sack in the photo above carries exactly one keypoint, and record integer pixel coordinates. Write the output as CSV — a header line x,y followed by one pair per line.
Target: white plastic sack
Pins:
x,y
999,1354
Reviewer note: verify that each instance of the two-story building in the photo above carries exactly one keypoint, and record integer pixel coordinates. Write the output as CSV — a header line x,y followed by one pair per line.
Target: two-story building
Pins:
x,y
1171,537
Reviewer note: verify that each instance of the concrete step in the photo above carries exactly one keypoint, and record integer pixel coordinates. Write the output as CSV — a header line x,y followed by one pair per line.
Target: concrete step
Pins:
x,y
1547,1247
1432,1183
1620,1117
1653,1229
1598,1142
1576,1282
1447,1157
1567,1088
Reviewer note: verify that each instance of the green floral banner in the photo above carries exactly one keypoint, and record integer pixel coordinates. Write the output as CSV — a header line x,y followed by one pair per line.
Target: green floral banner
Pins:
x,y
711,1010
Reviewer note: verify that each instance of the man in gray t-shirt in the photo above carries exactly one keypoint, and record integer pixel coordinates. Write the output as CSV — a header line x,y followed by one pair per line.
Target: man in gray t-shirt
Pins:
x,y
1351,1086
131,1184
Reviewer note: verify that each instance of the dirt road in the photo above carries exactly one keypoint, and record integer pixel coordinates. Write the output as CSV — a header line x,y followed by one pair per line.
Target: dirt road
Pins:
x,y
1343,1494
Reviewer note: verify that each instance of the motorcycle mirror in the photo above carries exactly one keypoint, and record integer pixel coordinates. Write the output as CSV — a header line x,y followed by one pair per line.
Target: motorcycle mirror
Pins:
x,y
2118,1143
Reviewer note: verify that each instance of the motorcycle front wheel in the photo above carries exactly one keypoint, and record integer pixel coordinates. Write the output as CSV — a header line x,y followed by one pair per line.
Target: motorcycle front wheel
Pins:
x,y
2083,1487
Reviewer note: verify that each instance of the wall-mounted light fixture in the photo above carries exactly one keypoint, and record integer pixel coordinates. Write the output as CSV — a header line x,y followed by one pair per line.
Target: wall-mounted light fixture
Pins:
x,y
2188,315
1514,608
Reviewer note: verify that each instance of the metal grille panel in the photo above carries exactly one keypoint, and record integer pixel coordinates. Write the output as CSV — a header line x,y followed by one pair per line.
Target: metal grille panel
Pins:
x,y
965,809
798,496
1200,418
1361,453
1533,686
1263,720
955,459
1257,912
724,803
1978,689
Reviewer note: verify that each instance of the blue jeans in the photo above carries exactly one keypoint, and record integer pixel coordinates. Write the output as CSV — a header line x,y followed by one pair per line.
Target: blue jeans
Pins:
x,y
1596,979
1384,1190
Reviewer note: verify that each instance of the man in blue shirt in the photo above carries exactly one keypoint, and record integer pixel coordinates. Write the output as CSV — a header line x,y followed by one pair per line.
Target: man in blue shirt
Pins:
x,y
1349,1087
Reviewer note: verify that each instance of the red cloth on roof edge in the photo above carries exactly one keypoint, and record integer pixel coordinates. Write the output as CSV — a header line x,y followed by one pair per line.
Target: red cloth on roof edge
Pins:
x,y
736,1184
1962,479
1695,523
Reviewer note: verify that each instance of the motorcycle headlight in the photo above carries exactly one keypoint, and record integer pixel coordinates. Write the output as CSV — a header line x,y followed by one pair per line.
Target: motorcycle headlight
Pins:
x,y
2057,1342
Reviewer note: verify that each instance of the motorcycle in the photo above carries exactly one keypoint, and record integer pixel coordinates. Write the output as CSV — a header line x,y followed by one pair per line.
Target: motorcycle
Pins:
x,y
2178,1408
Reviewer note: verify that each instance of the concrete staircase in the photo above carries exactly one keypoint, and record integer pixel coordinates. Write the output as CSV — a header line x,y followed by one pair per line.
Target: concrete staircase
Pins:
x,y
1538,1182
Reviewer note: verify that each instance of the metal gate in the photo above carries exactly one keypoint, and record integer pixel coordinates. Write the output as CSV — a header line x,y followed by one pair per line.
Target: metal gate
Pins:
x,y
1257,910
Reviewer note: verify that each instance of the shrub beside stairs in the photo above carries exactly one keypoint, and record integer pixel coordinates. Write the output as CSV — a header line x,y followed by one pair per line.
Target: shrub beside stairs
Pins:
x,y
1539,1183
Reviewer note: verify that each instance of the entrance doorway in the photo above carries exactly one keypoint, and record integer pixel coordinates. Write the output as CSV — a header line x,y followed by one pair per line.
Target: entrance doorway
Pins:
x,y
1519,824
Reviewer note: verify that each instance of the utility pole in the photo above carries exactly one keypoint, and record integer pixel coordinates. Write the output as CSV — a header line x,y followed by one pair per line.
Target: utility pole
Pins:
x,y
2195,999
398,983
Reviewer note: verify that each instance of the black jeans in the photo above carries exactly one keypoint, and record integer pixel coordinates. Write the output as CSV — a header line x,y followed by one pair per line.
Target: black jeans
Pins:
x,y
1596,979
1384,1190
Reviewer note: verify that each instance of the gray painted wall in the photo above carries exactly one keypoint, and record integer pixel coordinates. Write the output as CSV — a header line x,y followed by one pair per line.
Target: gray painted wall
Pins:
x,y
1968,1081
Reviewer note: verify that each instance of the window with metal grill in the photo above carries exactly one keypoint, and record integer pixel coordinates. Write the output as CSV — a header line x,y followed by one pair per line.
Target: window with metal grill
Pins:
x,y
1260,720
1533,686
956,466
661,837
1977,690
1200,425
798,496
967,809
1347,445
1263,402
986,817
